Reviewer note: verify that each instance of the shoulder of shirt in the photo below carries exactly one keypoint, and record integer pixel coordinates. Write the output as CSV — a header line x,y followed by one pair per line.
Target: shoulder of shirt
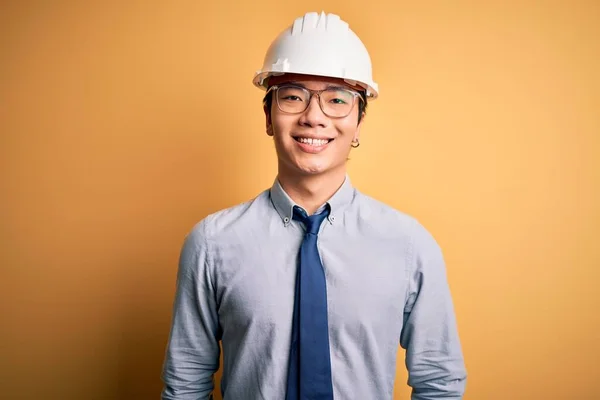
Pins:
x,y
377,210
392,219
210,226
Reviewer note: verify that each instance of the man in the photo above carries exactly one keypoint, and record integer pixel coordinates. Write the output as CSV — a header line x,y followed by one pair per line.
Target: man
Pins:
x,y
311,286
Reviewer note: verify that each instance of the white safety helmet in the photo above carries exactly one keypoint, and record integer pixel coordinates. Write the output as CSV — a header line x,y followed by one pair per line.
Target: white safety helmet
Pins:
x,y
323,45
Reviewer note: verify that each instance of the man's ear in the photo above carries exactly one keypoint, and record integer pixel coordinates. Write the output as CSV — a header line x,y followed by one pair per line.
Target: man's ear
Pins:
x,y
268,124
362,118
357,133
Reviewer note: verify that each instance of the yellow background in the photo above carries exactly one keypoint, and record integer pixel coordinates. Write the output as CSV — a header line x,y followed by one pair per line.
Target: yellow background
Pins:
x,y
124,123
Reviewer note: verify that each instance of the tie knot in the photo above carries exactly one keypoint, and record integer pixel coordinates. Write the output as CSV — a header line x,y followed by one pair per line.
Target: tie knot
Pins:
x,y
312,222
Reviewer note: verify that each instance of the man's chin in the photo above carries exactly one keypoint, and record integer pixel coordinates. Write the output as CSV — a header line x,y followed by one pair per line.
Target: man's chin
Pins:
x,y
314,170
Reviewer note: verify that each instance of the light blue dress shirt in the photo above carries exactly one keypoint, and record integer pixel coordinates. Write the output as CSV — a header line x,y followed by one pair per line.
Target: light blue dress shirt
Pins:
x,y
386,286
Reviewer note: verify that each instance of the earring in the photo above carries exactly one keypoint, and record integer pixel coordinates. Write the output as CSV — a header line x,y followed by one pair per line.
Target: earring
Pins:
x,y
355,143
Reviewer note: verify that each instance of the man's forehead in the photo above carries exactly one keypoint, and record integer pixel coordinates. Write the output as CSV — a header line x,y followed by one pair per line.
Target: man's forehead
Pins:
x,y
307,79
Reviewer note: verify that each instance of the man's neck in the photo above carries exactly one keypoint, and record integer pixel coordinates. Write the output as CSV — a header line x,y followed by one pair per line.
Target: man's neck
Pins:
x,y
311,191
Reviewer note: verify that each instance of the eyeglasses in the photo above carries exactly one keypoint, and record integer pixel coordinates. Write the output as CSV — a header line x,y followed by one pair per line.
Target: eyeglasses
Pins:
x,y
335,102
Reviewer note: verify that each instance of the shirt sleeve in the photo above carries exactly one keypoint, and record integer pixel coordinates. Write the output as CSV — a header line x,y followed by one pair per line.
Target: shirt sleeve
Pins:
x,y
192,354
434,358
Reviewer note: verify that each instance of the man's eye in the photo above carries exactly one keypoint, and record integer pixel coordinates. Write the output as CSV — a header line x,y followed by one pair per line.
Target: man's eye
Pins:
x,y
338,101
293,98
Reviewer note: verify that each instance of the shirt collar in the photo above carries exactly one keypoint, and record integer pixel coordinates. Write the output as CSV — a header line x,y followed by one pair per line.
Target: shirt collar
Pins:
x,y
285,205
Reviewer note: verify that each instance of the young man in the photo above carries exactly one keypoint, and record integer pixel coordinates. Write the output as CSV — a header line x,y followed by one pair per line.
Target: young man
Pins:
x,y
311,286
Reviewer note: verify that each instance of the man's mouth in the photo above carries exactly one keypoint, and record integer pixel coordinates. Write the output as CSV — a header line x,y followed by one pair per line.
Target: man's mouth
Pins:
x,y
312,142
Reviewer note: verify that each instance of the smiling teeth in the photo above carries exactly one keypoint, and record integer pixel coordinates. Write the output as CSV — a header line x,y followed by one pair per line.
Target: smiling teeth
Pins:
x,y
313,142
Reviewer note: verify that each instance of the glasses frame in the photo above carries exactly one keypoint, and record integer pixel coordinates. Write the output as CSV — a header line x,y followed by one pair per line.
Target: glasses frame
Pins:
x,y
275,89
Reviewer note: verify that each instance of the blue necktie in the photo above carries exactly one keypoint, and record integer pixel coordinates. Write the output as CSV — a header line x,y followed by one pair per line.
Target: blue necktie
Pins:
x,y
309,376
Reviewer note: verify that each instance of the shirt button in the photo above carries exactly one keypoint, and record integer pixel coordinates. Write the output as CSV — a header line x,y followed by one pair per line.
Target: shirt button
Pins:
x,y
286,220
332,218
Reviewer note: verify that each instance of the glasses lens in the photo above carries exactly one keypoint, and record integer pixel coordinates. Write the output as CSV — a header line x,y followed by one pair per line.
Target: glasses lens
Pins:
x,y
292,99
337,102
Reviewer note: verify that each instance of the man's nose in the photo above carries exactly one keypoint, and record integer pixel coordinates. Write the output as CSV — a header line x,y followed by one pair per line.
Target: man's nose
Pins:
x,y
313,115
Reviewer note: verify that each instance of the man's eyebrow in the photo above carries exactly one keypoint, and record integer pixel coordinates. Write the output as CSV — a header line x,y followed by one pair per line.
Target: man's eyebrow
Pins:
x,y
330,86
297,84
